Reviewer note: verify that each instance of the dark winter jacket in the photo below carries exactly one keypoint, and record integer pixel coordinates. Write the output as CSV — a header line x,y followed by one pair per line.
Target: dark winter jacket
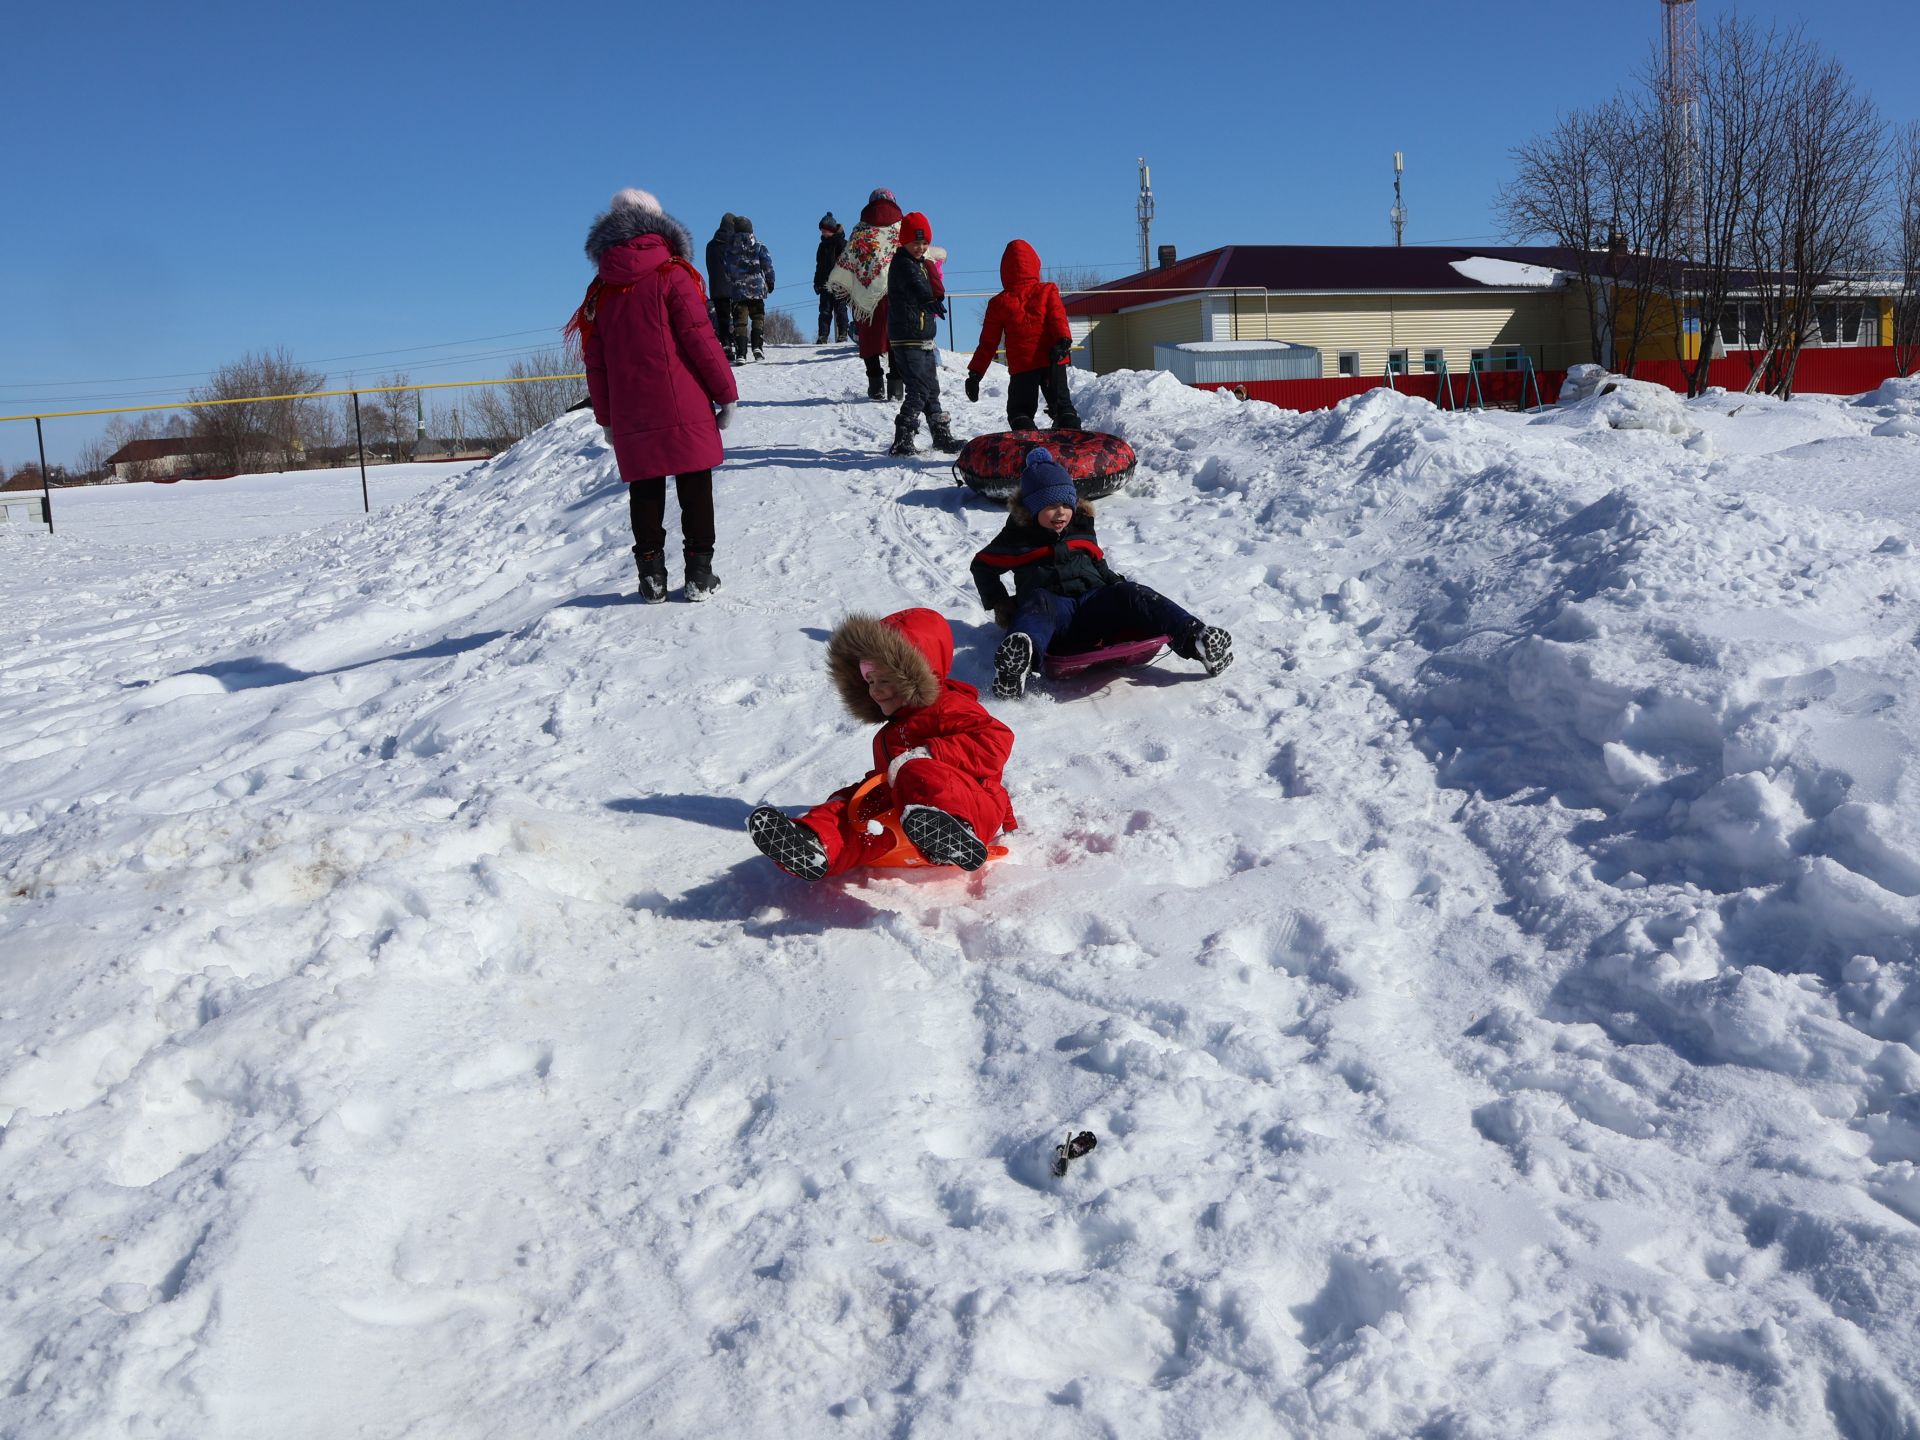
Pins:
x,y
654,368
831,244
717,259
749,267
1071,563
942,717
1028,311
916,299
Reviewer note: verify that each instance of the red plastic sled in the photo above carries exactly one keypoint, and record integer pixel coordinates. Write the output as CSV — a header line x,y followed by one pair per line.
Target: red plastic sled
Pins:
x,y
1121,652
991,464
872,805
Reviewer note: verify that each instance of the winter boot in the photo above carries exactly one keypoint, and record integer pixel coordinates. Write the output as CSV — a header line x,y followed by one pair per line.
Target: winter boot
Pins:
x,y
876,382
1067,419
938,426
1011,662
942,839
896,385
758,353
789,844
903,433
701,581
653,575
1213,648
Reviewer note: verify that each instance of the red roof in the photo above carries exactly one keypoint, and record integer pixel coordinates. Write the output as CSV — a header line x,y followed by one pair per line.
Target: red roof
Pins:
x,y
1313,269
157,449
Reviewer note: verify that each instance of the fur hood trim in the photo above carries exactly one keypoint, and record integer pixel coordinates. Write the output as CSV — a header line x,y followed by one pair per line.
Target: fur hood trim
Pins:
x,y
1023,516
629,222
899,645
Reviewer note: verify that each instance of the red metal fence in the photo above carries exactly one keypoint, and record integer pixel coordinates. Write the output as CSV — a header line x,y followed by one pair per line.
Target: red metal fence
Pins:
x,y
1840,371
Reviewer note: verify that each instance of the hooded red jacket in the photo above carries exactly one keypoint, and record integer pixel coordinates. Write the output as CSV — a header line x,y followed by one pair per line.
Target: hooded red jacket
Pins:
x,y
1028,311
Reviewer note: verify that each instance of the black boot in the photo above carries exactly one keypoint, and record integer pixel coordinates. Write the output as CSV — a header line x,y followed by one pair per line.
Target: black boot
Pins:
x,y
701,581
896,384
938,427
653,575
876,382
903,432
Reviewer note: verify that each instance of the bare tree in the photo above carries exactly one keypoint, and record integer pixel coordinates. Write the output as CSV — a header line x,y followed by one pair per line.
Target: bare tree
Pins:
x,y
256,422
1906,250
513,412
399,414
780,328
150,425
1814,208
1598,185
1075,279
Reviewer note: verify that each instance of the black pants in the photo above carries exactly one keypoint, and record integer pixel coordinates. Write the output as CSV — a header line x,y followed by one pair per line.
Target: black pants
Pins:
x,y
723,321
1026,388
647,500
747,315
834,319
919,366
874,376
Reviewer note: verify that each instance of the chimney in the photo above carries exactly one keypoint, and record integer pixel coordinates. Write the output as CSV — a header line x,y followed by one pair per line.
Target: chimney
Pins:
x,y
1166,256
1616,245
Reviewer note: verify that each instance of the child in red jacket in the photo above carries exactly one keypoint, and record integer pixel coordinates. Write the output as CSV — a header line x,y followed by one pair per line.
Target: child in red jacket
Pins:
x,y
1028,311
939,749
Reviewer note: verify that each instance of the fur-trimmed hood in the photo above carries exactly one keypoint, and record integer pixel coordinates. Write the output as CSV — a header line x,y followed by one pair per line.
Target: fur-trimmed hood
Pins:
x,y
629,222
915,647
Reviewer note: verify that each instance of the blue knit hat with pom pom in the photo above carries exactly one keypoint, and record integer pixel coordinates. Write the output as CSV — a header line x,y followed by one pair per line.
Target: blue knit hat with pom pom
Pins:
x,y
1044,481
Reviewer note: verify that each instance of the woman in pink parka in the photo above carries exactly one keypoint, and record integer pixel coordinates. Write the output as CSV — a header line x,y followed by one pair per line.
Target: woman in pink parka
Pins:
x,y
655,374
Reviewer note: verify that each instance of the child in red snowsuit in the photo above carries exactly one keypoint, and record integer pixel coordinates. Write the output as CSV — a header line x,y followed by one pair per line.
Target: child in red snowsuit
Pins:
x,y
1030,313
939,749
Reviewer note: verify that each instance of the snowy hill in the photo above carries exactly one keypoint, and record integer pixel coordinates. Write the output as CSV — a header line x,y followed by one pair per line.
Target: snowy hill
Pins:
x,y
1495,997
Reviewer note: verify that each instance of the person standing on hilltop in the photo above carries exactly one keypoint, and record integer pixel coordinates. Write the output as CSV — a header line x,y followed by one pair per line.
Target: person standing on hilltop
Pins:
x,y
916,302
655,374
717,287
833,307
860,277
750,273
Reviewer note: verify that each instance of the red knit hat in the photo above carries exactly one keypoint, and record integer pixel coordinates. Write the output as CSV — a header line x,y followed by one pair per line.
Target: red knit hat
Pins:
x,y
915,226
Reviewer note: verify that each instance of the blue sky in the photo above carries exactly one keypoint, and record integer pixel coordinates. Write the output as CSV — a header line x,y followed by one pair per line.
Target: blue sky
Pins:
x,y
349,179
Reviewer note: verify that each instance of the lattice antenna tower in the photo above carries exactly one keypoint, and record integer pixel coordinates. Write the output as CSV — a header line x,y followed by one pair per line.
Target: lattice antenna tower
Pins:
x,y
1145,211
1680,82
1399,211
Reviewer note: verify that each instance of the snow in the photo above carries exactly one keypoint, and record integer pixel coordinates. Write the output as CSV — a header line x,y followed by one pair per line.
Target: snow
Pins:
x,y
1509,274
1235,347
1495,996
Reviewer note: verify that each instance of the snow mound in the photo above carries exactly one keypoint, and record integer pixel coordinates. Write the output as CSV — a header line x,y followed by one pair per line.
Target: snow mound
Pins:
x,y
1617,403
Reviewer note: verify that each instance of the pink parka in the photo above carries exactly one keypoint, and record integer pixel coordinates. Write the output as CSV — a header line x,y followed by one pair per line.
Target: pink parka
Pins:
x,y
654,369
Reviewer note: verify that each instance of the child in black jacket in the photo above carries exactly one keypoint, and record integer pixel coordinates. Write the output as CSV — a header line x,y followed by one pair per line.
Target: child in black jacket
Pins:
x,y
1066,597
916,300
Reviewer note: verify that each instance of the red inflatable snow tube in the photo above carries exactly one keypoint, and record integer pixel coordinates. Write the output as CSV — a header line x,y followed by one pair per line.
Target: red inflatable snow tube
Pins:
x,y
1098,462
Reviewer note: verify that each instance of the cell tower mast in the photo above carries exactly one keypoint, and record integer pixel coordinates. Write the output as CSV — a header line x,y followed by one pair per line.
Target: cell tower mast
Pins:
x,y
1145,211
1399,211
1680,82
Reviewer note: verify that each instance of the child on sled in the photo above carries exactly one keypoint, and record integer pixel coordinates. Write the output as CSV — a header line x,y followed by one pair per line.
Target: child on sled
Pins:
x,y
1065,594
938,752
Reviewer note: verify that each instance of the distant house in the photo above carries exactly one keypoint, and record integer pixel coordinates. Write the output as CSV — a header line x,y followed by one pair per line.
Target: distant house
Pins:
x,y
1368,308
483,447
162,459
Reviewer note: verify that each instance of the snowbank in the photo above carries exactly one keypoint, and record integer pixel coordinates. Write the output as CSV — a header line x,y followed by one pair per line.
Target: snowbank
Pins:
x,y
1495,996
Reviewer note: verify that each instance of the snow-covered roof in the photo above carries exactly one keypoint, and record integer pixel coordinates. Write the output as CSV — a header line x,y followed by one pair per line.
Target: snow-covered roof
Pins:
x,y
1509,274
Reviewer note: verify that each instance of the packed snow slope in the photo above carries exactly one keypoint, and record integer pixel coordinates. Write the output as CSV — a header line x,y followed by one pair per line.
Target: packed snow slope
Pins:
x,y
1495,996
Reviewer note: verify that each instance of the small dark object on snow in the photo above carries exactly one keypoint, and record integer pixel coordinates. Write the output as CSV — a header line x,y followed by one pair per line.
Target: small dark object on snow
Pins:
x,y
1073,1149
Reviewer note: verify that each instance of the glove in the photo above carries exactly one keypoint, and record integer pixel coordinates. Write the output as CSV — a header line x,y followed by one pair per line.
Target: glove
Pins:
x,y
1061,349
820,289
724,416
973,387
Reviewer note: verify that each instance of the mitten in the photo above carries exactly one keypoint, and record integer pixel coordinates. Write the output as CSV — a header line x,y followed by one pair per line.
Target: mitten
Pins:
x,y
820,289
725,416
973,387
1061,349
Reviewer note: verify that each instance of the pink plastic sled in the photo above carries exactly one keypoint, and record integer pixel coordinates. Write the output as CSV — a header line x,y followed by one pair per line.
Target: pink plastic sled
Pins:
x,y
1121,652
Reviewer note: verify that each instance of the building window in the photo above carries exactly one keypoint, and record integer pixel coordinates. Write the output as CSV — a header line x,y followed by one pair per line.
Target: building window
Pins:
x,y
1349,362
1397,362
1434,361
1502,357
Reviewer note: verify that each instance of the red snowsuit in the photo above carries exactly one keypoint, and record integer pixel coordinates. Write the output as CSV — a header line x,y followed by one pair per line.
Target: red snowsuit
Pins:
x,y
940,748
1028,311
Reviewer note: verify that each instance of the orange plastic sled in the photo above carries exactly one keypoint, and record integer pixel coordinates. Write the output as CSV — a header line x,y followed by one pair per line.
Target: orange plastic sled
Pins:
x,y
872,804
